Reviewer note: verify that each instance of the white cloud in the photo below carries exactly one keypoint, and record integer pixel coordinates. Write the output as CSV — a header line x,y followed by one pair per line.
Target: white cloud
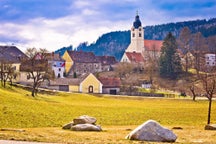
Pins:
x,y
54,34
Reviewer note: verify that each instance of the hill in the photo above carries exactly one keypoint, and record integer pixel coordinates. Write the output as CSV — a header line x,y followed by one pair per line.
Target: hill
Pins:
x,y
114,43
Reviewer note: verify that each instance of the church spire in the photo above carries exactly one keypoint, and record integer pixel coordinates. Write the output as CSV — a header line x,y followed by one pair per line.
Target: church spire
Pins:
x,y
137,23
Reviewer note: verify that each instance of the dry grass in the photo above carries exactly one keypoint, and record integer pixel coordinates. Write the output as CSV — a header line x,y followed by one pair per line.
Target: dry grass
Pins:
x,y
109,135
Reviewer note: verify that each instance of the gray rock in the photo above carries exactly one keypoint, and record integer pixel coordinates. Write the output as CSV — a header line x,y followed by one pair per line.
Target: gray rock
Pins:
x,y
86,127
210,127
68,126
152,131
84,120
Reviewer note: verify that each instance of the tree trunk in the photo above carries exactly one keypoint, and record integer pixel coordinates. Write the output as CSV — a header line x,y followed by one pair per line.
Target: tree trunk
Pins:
x,y
193,92
209,111
33,90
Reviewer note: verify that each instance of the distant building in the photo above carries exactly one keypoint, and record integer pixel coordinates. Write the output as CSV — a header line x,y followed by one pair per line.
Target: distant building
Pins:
x,y
139,47
210,59
12,55
79,62
56,63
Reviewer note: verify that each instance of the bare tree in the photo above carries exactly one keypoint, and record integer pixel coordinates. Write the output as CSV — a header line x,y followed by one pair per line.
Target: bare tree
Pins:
x,y
151,63
36,67
123,69
199,48
208,80
184,43
7,72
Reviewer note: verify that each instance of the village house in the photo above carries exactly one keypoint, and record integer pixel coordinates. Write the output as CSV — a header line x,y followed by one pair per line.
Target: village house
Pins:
x,y
57,64
85,84
210,59
79,62
110,85
12,55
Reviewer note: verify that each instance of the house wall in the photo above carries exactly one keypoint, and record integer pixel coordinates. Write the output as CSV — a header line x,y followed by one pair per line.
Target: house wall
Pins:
x,y
108,90
81,68
91,80
68,62
210,59
58,68
73,88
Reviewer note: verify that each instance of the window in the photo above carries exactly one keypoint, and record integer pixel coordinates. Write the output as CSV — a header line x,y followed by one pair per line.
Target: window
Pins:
x,y
59,69
59,75
133,34
140,35
140,29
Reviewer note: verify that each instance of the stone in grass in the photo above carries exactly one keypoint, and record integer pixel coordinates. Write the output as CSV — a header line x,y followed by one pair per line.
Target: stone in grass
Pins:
x,y
85,119
210,127
68,126
86,127
152,131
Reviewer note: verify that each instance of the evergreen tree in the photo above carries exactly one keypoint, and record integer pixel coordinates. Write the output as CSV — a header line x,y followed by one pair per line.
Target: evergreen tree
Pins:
x,y
170,64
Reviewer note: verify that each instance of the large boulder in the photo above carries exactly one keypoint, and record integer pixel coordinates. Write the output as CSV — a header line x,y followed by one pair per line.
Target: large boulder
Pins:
x,y
152,131
84,120
68,126
86,127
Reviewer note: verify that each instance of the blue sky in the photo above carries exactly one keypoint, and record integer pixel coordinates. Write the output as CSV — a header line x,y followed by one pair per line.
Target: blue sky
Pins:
x,y
52,24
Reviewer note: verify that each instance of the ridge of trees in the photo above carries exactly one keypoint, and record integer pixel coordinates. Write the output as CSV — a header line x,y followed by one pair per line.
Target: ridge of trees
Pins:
x,y
115,43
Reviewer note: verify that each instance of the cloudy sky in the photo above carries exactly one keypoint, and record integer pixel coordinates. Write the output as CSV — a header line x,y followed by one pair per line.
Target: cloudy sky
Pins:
x,y
52,24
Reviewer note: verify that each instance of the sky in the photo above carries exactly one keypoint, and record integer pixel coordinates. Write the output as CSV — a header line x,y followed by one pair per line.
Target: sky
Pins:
x,y
53,24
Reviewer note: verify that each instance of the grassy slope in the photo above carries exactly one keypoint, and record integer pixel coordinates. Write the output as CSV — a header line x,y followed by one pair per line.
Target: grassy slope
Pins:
x,y
18,109
115,114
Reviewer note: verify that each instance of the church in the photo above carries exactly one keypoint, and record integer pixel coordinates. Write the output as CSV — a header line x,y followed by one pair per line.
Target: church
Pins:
x,y
140,49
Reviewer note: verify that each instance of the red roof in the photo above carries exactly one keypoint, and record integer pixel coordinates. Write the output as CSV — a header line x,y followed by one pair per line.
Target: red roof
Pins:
x,y
110,82
153,45
135,57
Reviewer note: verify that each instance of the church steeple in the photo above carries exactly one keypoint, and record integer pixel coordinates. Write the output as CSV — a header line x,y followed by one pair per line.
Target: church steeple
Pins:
x,y
137,23
137,37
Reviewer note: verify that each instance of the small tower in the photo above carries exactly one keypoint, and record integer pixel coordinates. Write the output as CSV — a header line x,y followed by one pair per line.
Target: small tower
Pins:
x,y
137,37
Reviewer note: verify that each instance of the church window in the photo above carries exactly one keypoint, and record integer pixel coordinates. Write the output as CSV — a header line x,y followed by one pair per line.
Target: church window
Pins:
x,y
140,29
140,35
133,34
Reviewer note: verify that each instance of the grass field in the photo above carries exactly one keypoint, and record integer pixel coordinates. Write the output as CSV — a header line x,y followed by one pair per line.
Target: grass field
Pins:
x,y
42,117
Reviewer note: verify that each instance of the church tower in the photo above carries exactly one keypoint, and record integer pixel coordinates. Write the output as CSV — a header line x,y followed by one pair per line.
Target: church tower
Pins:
x,y
137,37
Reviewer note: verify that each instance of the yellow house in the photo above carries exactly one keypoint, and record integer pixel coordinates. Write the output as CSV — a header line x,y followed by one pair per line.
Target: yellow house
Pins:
x,y
90,85
68,61
87,84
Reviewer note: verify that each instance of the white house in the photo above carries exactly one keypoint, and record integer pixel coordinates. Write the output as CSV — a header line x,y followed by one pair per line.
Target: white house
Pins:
x,y
210,59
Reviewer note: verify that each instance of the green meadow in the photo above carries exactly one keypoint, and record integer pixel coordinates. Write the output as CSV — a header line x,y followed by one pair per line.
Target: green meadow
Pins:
x,y
42,117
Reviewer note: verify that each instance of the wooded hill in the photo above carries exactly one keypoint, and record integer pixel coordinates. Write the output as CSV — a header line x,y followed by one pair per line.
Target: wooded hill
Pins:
x,y
114,43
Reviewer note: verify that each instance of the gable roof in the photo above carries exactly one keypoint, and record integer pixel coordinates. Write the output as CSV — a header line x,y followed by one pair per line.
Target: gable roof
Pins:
x,y
11,54
83,57
135,57
153,45
49,56
107,60
110,82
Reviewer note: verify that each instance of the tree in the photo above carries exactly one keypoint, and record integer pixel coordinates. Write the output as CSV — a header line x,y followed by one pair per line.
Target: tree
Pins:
x,y
199,47
7,72
184,43
36,67
170,63
151,62
123,69
208,80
